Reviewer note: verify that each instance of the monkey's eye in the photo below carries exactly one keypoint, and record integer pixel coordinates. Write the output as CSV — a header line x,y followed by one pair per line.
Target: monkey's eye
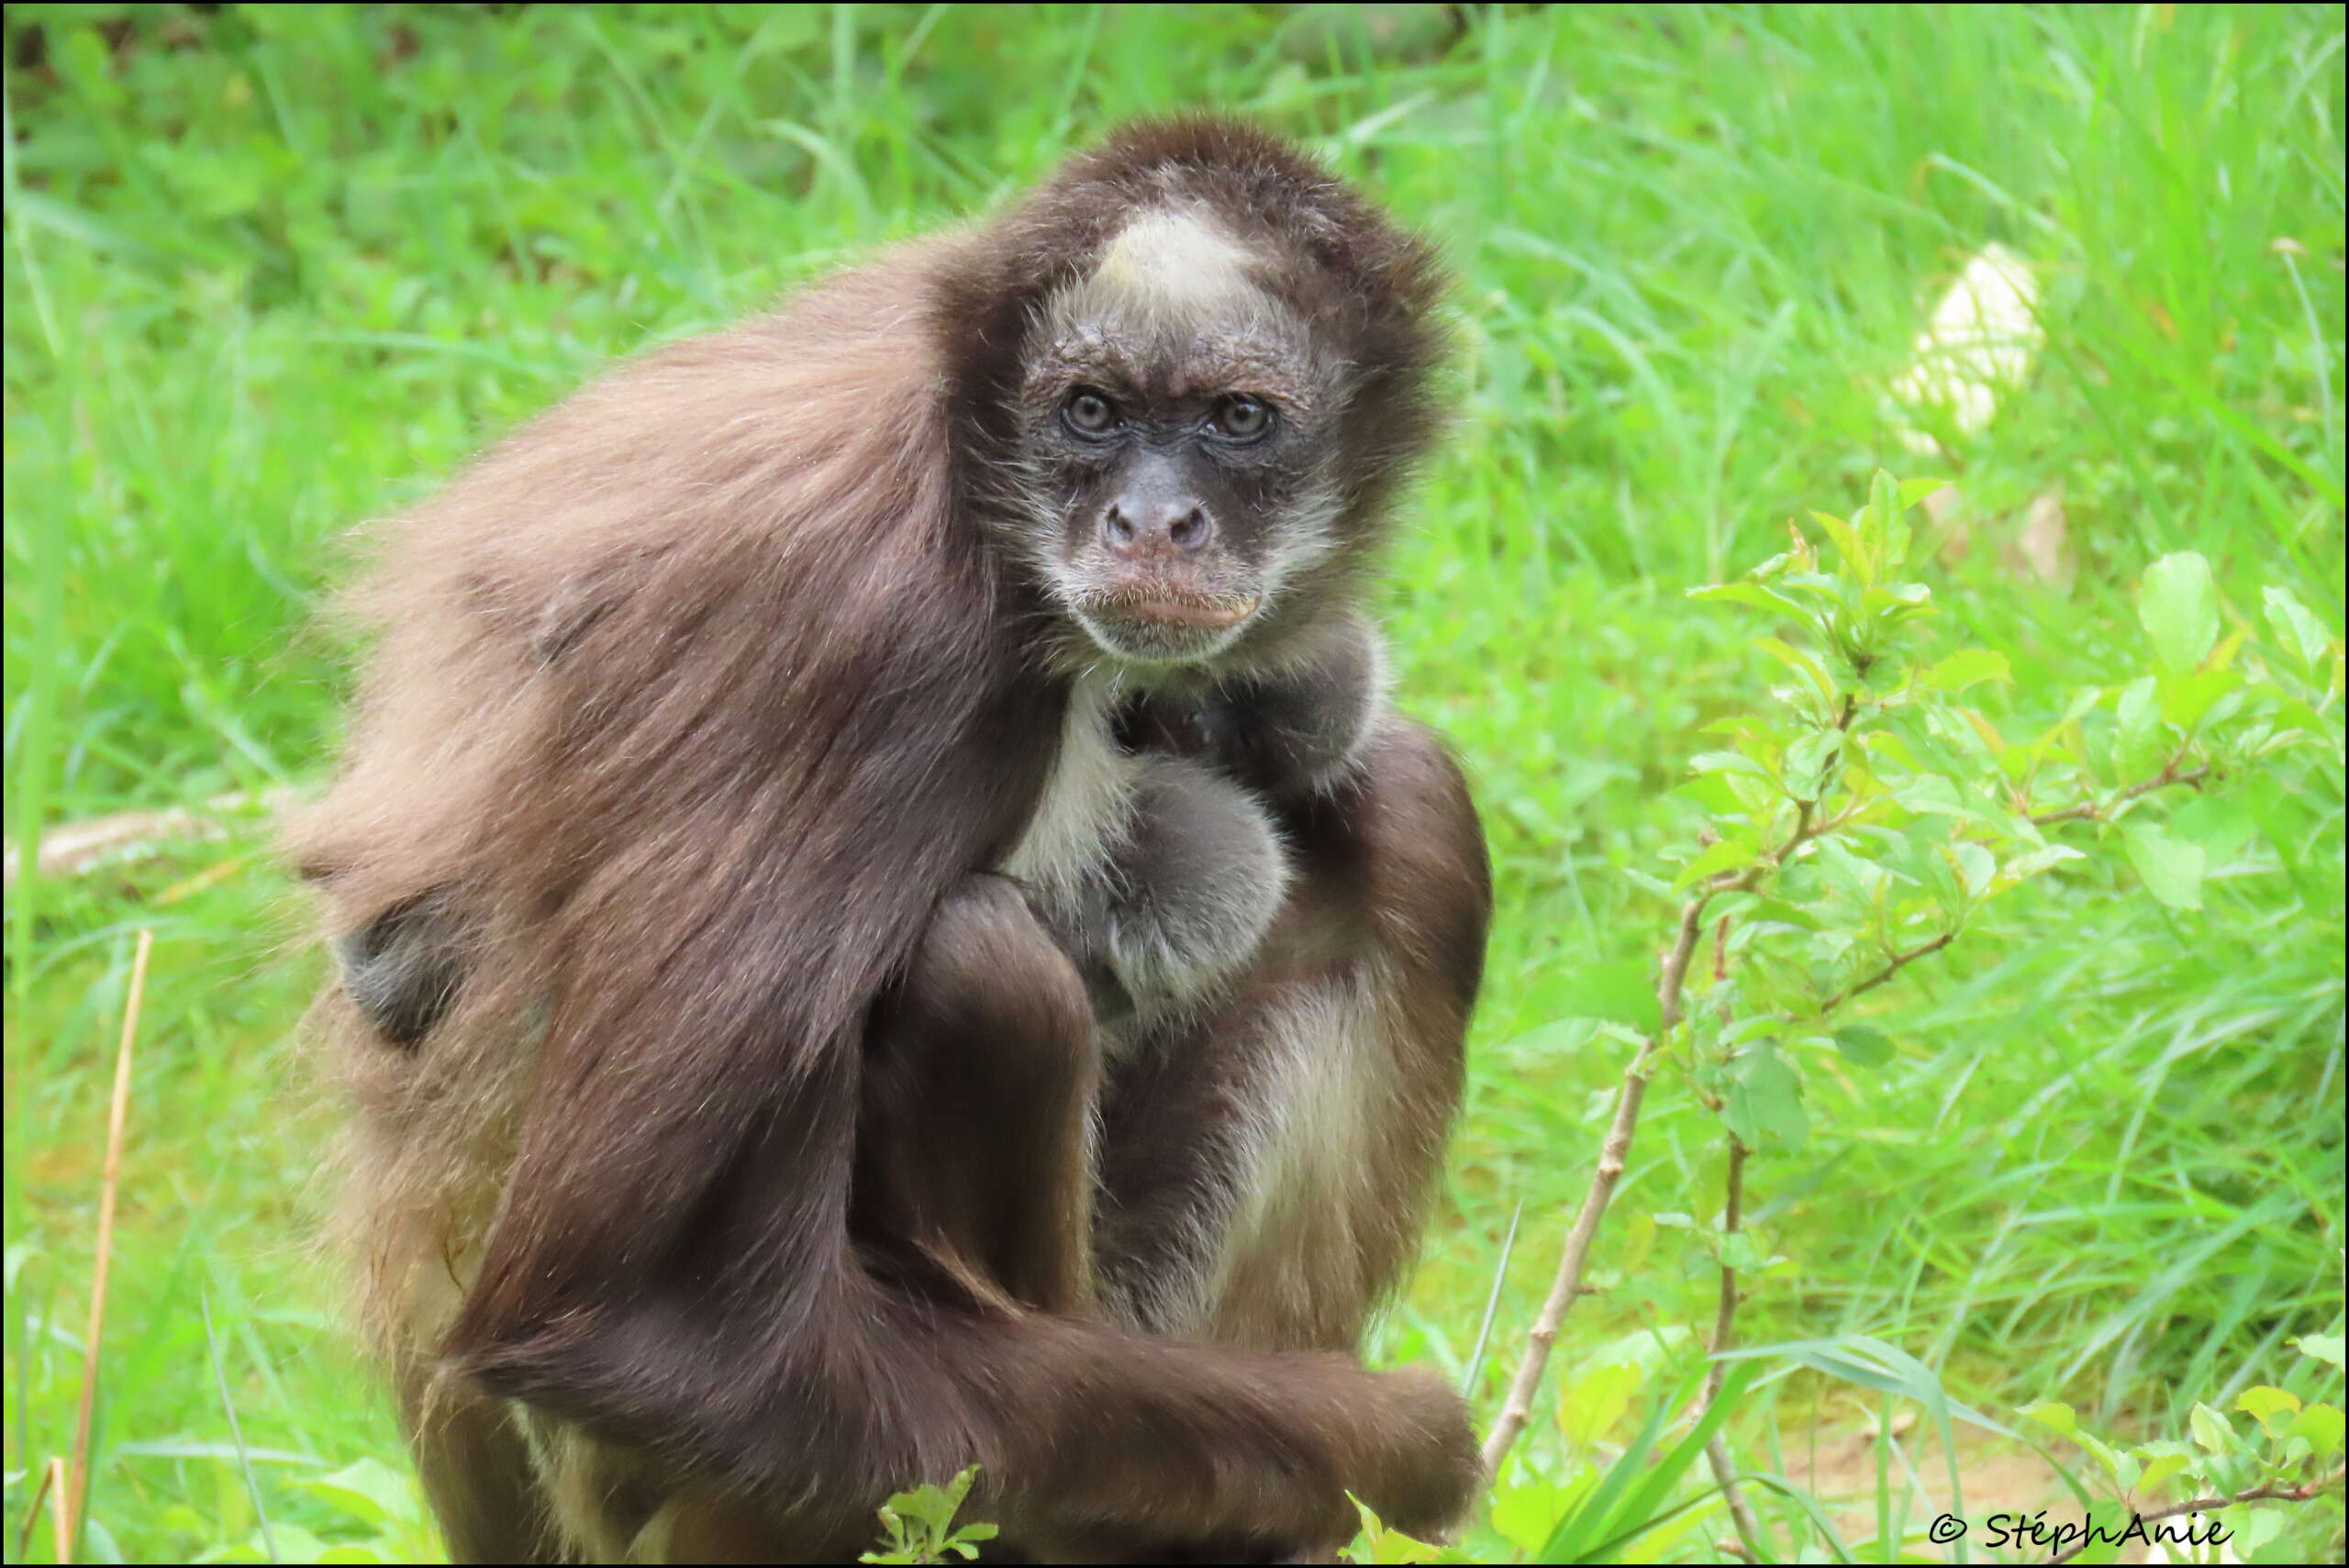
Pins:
x,y
1242,417
1088,412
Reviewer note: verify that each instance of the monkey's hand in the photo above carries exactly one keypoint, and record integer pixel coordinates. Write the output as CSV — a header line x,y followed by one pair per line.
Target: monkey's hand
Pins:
x,y
1194,887
1297,730
404,968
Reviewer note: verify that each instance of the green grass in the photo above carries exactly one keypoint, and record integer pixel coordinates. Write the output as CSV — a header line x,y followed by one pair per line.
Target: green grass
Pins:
x,y
269,273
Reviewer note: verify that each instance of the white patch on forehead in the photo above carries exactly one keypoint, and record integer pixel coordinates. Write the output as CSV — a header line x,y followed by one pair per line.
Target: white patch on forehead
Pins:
x,y
1171,255
1166,263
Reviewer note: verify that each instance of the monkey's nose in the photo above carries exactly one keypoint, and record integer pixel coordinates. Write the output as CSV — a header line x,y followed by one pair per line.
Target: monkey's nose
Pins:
x,y
1132,530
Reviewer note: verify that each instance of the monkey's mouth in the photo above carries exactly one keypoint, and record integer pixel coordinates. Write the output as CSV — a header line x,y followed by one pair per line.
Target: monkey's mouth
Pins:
x,y
1164,625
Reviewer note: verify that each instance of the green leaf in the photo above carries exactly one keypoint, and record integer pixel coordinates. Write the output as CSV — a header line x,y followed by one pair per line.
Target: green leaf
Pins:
x,y
2179,608
292,1543
2161,1461
1727,762
1897,601
1723,794
83,59
1805,762
917,1522
2031,863
2325,1348
2137,733
1822,686
2123,1467
1850,545
1846,869
2220,824
2258,1527
1974,866
1764,1103
1869,1047
1378,1544
1739,1250
1522,1514
2188,699
1966,667
2267,1406
2321,1425
2170,868
2053,1414
2213,1433
1932,794
1761,598
1730,854
2297,627
1593,1400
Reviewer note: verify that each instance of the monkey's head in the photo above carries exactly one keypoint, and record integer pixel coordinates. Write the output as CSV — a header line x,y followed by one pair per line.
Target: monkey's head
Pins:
x,y
1201,361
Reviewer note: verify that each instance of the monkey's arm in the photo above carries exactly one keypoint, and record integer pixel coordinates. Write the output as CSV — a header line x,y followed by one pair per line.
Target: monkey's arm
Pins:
x,y
1298,730
1200,873
1187,894
404,968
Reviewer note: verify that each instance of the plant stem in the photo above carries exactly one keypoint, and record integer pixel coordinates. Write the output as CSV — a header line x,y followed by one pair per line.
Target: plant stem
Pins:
x,y
1518,1409
1740,1512
2273,1490
2093,811
1900,961
78,1472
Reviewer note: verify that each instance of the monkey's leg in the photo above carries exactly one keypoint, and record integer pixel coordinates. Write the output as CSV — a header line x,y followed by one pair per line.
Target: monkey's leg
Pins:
x,y
1266,1167
980,1075
784,1406
973,1183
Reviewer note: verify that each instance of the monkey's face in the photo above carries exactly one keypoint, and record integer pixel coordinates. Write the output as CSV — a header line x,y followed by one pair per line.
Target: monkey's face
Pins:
x,y
1178,453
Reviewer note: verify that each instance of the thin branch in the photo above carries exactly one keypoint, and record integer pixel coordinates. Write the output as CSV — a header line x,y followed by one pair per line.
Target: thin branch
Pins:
x,y
2094,811
1807,823
68,848
1900,961
79,1472
2273,1491
1740,1511
50,1475
61,1527
1518,1409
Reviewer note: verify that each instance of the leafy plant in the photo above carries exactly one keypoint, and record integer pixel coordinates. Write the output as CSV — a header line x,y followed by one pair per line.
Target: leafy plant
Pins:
x,y
2289,1451
919,1525
1864,819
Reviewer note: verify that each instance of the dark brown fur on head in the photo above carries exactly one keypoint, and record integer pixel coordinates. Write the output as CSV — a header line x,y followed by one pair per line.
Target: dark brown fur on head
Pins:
x,y
702,695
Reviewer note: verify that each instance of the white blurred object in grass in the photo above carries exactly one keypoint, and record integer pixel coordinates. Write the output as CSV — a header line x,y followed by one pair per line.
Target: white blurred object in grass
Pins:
x,y
1980,346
